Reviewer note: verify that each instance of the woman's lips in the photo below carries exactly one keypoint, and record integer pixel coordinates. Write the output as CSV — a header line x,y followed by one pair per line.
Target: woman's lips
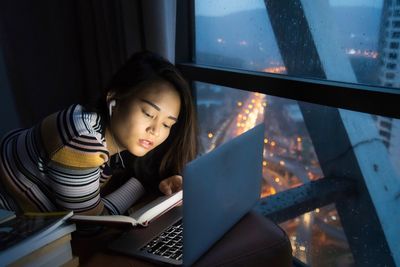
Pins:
x,y
145,143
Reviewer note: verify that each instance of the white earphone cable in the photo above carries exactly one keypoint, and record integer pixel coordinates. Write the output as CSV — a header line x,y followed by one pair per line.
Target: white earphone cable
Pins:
x,y
111,105
119,154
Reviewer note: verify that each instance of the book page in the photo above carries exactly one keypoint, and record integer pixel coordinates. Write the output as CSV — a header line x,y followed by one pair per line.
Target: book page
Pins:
x,y
142,216
157,207
112,219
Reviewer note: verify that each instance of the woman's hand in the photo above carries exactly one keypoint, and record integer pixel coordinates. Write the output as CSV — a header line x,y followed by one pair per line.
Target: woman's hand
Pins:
x,y
171,184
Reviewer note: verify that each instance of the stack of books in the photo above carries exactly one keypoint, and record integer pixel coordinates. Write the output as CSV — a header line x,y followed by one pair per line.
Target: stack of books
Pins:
x,y
36,239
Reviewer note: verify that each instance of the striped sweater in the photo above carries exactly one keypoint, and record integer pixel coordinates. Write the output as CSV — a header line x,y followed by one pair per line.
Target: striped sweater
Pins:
x,y
61,164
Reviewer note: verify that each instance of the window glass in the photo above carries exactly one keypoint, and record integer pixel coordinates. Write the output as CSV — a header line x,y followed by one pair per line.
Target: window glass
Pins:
x,y
354,41
361,34
290,161
236,34
289,157
318,239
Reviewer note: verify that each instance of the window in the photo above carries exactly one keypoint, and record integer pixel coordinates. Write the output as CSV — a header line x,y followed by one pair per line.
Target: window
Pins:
x,y
391,66
300,43
250,44
396,24
387,124
394,45
290,160
253,43
390,75
396,35
393,55
289,156
318,239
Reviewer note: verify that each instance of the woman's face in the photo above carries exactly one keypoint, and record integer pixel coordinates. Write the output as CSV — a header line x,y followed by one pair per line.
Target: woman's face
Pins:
x,y
146,121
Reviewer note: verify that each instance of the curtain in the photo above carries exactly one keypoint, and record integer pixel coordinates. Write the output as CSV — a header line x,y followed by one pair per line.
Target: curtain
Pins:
x,y
61,52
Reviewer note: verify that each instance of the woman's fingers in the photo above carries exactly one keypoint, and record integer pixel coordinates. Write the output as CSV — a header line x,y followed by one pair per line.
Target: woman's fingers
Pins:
x,y
165,188
171,184
177,183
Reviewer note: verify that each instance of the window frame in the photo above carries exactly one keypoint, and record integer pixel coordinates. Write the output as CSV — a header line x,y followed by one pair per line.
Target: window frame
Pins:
x,y
375,100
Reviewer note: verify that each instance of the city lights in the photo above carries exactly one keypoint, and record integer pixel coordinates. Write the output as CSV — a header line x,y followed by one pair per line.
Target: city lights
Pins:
x,y
289,157
278,69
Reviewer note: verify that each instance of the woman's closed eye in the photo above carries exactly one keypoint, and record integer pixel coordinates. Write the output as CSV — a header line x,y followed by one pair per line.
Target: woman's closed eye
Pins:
x,y
147,114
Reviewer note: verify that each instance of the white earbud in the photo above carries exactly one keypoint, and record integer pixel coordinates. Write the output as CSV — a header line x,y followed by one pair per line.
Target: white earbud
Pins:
x,y
111,105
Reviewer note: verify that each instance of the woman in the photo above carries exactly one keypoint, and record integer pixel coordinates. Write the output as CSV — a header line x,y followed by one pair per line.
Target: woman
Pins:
x,y
63,163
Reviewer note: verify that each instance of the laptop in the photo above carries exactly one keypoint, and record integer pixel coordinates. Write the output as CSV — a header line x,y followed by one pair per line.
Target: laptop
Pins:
x,y
219,188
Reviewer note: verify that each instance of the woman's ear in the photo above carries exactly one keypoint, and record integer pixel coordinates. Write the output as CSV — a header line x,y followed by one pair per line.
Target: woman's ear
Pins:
x,y
110,96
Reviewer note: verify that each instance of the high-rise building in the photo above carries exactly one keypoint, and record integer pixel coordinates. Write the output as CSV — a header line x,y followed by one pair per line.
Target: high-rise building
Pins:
x,y
389,74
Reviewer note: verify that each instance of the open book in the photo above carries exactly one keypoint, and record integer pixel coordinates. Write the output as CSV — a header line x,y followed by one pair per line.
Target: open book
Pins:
x,y
142,216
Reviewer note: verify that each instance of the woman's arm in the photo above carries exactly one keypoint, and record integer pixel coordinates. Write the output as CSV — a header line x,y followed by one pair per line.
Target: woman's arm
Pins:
x,y
79,190
119,201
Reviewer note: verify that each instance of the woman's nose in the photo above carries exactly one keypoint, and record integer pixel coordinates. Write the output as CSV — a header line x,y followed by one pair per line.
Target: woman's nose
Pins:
x,y
154,130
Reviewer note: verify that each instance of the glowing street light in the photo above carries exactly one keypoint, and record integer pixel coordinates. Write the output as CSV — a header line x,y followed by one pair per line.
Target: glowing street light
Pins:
x,y
264,163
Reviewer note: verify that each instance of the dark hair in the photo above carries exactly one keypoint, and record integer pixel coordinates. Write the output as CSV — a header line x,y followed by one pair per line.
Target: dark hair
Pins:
x,y
181,146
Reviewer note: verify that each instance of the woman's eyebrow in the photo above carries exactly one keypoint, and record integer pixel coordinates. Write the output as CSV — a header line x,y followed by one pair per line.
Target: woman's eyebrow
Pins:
x,y
156,107
151,104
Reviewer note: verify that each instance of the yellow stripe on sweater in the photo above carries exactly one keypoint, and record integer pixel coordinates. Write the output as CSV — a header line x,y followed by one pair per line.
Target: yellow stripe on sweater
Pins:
x,y
68,156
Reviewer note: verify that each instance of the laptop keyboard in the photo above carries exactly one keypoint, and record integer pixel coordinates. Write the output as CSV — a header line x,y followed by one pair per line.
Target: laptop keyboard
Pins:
x,y
169,243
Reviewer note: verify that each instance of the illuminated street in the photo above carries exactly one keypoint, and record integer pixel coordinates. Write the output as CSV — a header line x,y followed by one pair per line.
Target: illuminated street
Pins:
x,y
283,168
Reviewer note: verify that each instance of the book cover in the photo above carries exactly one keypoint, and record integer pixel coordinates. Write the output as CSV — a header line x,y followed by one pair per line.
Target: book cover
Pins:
x,y
6,215
27,233
55,253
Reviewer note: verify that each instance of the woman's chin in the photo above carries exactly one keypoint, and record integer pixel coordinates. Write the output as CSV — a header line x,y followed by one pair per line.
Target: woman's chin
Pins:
x,y
139,151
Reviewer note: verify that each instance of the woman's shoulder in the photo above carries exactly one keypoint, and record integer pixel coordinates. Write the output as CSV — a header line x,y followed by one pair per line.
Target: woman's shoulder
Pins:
x,y
74,137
